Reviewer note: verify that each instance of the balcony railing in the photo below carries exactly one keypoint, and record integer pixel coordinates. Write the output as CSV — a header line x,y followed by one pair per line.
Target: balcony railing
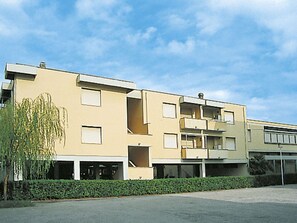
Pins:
x,y
217,153
140,140
140,173
216,125
194,153
190,123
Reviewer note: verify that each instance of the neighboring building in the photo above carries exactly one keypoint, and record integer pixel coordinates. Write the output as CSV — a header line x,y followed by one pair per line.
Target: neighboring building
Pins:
x,y
116,131
275,141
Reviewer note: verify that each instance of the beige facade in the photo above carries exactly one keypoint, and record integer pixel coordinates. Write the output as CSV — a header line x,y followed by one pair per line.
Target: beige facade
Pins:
x,y
116,131
276,141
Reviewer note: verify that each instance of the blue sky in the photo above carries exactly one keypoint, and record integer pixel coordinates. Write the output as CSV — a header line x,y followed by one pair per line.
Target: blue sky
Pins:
x,y
232,50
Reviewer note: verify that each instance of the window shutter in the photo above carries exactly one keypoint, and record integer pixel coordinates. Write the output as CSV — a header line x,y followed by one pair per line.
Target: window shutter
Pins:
x,y
90,97
169,110
229,117
230,143
91,135
170,141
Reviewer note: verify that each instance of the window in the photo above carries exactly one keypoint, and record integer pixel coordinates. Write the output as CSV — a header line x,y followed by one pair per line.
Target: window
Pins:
x,y
90,97
170,141
292,139
91,134
267,137
230,143
280,138
249,135
169,110
229,117
273,138
286,139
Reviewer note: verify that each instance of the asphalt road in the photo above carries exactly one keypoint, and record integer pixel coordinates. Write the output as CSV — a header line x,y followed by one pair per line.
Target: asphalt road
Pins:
x,y
269,204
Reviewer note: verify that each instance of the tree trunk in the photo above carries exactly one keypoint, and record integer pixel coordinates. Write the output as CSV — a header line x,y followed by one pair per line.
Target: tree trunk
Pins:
x,y
5,183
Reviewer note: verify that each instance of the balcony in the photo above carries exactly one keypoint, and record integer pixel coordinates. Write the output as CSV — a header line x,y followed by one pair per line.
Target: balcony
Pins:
x,y
216,125
194,153
217,153
189,123
139,140
140,173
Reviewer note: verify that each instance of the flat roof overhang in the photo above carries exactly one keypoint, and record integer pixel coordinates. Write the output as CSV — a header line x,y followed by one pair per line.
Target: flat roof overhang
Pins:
x,y
191,100
12,69
129,86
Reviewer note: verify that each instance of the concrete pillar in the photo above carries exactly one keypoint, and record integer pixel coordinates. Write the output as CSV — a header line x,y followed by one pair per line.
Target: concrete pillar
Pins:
x,y
202,169
76,170
203,139
125,169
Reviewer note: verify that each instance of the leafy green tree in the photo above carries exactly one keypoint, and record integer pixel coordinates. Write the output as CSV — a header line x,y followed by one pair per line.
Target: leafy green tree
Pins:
x,y
258,165
28,133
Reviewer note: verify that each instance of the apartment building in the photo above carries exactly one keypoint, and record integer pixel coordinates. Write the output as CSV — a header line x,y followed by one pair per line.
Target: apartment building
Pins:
x,y
116,131
276,141
188,136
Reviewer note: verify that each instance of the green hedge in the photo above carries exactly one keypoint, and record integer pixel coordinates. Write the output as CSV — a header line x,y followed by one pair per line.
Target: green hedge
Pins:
x,y
268,180
69,189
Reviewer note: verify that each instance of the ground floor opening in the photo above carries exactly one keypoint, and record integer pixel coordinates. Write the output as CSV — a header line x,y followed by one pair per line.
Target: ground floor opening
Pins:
x,y
88,170
275,159
226,169
176,170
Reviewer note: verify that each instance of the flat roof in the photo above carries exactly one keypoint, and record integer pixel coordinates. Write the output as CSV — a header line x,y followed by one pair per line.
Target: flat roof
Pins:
x,y
106,81
270,123
12,69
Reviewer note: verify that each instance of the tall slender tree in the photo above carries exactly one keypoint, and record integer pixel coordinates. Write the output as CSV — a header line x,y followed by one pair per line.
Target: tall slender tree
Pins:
x,y
28,132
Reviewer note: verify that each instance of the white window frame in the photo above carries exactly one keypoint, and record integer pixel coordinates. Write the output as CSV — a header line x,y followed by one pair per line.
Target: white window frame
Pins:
x,y
96,101
292,139
233,148
273,137
169,110
286,139
170,145
229,117
267,137
280,138
86,139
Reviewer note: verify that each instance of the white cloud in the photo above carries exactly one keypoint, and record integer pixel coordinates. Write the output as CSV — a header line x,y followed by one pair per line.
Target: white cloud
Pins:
x,y
175,47
257,104
93,48
10,24
105,10
12,3
141,36
209,24
221,95
278,16
177,22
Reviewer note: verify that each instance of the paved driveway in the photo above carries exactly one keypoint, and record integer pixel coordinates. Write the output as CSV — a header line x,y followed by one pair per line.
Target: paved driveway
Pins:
x,y
269,204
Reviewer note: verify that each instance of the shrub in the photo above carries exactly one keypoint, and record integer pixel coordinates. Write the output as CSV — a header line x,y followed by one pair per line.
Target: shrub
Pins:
x,y
70,189
267,180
